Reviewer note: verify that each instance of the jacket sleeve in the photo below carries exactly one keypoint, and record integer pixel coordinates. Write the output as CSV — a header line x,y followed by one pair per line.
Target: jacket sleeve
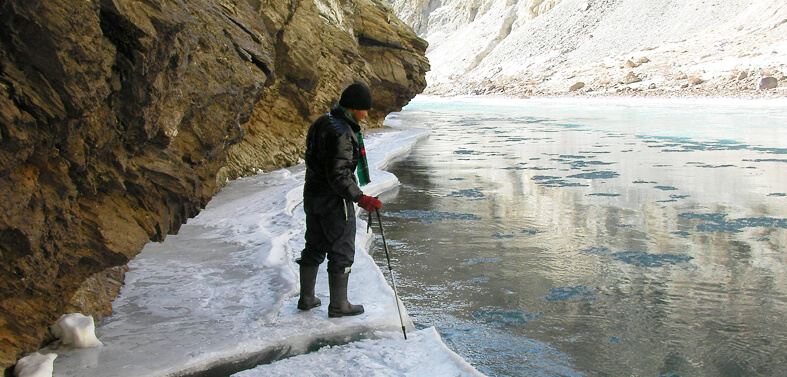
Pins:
x,y
340,171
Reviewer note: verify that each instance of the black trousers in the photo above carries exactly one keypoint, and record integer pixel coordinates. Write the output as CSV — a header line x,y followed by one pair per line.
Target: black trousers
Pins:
x,y
330,231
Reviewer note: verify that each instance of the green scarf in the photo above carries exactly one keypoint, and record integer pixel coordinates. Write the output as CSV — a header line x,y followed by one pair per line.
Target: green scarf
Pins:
x,y
363,164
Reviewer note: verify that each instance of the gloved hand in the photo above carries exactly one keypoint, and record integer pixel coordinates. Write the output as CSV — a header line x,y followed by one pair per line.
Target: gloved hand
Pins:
x,y
369,203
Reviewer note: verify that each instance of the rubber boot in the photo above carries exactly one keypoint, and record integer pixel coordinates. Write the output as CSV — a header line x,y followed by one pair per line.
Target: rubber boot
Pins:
x,y
308,278
339,306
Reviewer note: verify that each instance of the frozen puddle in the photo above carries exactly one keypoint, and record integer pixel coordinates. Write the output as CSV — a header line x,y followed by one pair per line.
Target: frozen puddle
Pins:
x,y
220,297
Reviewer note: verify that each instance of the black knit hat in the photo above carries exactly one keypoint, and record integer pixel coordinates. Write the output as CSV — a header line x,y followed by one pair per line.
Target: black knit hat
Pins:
x,y
357,96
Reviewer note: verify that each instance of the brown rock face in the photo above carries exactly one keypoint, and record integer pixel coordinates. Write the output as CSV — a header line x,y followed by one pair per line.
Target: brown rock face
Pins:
x,y
117,117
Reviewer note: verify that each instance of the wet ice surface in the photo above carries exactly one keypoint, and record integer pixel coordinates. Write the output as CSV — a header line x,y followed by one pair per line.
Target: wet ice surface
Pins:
x,y
597,237
220,297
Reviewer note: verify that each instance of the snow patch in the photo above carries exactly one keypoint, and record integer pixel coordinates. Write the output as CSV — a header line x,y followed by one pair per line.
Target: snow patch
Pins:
x,y
35,365
76,330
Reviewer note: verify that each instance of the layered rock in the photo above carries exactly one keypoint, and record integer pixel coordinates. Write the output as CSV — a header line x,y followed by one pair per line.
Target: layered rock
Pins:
x,y
120,119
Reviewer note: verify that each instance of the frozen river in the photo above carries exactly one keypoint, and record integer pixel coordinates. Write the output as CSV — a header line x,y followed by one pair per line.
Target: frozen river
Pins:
x,y
596,237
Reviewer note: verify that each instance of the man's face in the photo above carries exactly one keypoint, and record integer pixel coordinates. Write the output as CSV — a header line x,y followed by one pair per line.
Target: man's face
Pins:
x,y
358,114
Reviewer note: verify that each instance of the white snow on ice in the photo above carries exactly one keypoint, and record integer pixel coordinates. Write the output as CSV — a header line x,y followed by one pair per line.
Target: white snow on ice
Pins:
x,y
221,295
76,330
389,356
35,365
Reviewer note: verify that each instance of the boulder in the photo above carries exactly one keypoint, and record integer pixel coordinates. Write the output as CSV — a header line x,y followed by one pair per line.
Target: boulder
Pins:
x,y
120,119
768,82
630,78
695,80
577,86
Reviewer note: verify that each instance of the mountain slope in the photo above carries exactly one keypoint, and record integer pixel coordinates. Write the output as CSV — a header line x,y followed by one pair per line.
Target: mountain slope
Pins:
x,y
522,47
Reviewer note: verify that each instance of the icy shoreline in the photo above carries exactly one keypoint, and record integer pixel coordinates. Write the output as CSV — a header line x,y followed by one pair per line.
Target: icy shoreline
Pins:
x,y
220,297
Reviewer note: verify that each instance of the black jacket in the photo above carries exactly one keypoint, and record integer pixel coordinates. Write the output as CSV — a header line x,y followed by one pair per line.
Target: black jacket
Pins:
x,y
332,154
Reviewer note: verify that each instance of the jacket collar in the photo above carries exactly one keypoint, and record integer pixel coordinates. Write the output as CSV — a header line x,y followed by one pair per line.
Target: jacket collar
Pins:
x,y
341,113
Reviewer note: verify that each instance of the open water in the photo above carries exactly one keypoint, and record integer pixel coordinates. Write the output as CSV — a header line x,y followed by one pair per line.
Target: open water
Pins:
x,y
596,237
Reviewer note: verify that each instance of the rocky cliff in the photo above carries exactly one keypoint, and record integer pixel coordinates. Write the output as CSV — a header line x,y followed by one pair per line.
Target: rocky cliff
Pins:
x,y
120,119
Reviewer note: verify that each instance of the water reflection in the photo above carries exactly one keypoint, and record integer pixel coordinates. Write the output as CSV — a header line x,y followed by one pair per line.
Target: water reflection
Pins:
x,y
560,238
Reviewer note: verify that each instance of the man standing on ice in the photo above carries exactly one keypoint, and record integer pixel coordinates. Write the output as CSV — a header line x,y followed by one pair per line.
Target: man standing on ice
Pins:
x,y
334,151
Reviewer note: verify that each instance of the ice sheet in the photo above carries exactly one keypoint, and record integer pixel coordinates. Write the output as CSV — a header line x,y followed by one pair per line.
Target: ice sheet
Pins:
x,y
220,296
422,355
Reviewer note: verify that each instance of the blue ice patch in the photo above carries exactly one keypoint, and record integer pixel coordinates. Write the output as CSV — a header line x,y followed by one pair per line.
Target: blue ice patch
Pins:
x,y
580,292
715,222
714,217
469,193
572,156
429,217
771,150
596,175
473,261
505,317
666,188
585,164
643,259
550,181
595,250
531,231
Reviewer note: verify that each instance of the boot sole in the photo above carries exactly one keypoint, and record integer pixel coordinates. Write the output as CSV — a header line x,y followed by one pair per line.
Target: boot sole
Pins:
x,y
307,307
341,314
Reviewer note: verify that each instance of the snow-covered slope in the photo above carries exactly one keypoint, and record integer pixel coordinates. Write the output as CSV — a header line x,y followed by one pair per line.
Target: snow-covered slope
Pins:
x,y
525,47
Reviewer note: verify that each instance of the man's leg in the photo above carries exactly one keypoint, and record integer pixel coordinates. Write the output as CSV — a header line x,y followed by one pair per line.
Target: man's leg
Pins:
x,y
340,260
312,255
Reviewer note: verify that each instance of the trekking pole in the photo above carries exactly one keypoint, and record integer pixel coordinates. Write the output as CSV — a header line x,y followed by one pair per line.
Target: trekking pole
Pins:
x,y
390,270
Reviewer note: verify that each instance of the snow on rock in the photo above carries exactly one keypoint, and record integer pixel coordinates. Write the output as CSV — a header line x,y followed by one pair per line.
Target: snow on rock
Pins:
x,y
423,354
76,330
523,47
35,365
